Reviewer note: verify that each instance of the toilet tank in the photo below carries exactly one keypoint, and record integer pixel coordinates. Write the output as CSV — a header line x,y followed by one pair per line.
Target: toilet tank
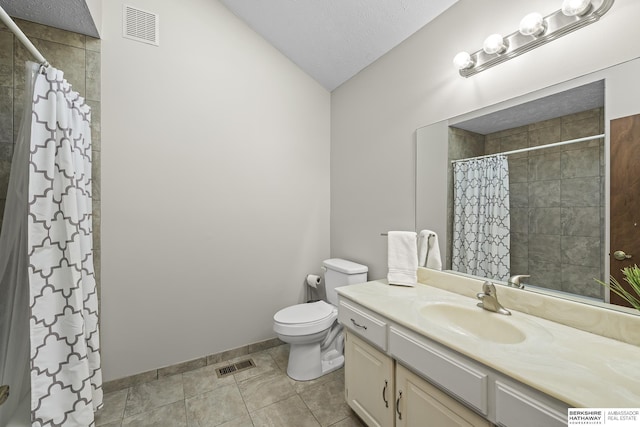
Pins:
x,y
340,272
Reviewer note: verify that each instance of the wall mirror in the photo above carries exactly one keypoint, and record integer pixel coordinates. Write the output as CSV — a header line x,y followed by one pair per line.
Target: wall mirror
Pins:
x,y
556,214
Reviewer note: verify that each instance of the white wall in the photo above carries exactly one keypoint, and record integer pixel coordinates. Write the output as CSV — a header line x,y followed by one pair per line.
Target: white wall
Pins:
x,y
374,115
215,194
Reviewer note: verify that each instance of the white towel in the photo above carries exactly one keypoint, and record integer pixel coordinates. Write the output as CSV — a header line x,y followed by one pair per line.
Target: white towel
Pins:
x,y
429,250
402,255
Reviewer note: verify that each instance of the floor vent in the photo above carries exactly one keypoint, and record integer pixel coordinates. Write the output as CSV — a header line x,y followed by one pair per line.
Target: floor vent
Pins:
x,y
235,367
140,25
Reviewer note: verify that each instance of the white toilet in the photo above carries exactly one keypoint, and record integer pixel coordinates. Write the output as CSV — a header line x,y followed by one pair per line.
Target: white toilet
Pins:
x,y
312,330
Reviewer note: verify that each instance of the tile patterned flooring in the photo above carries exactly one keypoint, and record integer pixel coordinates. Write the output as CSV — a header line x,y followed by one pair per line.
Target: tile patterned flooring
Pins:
x,y
260,396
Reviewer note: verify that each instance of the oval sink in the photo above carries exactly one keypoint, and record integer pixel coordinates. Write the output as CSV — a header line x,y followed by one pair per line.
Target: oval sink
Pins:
x,y
474,321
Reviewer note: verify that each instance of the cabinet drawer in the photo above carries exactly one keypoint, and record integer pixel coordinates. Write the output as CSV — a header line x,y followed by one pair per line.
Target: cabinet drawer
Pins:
x,y
363,322
517,409
450,371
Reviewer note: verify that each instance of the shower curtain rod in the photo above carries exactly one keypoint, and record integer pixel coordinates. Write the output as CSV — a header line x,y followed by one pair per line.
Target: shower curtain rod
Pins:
x,y
6,19
539,147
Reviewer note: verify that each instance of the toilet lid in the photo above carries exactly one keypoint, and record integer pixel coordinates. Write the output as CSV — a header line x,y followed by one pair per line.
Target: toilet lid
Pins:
x,y
304,313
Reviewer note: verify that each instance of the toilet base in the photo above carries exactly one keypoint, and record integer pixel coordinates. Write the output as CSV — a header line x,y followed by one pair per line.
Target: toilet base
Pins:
x,y
307,361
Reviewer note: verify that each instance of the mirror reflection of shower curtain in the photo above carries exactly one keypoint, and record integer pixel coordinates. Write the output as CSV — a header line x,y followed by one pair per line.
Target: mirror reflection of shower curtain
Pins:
x,y
481,238
62,303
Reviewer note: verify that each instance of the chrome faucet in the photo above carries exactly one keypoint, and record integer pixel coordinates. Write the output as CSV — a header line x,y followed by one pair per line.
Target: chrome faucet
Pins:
x,y
515,280
489,299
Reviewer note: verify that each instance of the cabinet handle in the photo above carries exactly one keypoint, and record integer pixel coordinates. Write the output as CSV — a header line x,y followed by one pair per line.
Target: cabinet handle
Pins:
x,y
398,405
384,394
357,325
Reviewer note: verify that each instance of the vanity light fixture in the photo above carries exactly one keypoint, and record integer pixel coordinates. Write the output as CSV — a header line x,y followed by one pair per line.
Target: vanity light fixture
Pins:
x,y
532,25
534,30
494,45
575,7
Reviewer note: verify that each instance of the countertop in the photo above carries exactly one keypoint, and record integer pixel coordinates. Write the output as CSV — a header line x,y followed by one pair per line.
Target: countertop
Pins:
x,y
579,368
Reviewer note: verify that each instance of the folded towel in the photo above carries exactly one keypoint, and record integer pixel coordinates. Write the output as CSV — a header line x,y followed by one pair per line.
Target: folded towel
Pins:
x,y
429,250
403,258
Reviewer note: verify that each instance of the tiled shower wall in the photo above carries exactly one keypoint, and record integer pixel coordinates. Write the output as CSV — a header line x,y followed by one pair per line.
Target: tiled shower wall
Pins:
x,y
79,57
556,201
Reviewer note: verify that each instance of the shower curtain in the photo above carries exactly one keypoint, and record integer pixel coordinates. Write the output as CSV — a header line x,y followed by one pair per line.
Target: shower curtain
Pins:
x,y
56,219
481,217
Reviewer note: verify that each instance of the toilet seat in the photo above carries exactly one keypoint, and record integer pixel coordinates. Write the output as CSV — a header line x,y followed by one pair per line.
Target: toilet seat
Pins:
x,y
305,319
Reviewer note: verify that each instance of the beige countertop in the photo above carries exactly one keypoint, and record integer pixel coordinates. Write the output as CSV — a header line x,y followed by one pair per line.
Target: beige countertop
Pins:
x,y
577,367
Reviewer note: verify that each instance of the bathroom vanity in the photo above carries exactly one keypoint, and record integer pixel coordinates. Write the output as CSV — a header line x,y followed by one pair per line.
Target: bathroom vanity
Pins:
x,y
428,354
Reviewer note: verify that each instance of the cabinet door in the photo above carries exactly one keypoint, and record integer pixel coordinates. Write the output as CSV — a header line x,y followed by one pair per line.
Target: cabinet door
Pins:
x,y
420,404
368,382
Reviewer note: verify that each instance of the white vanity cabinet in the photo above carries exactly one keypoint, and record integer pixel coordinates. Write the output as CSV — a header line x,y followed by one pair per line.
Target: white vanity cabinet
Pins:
x,y
397,377
419,403
369,380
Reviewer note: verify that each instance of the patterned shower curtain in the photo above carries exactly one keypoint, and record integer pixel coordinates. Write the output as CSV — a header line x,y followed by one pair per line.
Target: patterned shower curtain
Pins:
x,y
66,379
481,217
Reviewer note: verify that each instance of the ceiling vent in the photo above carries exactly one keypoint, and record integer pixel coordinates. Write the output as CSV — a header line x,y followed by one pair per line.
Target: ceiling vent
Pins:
x,y
140,25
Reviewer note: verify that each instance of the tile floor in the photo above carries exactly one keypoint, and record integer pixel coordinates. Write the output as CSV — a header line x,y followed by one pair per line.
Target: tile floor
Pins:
x,y
259,396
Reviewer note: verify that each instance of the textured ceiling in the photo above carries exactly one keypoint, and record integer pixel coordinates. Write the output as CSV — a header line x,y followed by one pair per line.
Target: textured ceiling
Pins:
x,y
70,15
332,40
572,101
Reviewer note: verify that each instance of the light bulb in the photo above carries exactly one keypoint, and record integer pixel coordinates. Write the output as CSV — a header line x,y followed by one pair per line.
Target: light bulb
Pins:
x,y
532,25
463,60
575,7
494,44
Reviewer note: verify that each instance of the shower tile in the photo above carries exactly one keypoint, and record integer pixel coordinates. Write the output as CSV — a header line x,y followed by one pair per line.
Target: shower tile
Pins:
x,y
215,407
520,245
492,146
6,59
544,167
581,192
544,194
515,142
518,170
67,58
581,221
96,124
546,135
92,44
519,220
582,251
6,151
581,163
545,124
518,194
545,274
145,397
171,415
93,75
6,119
44,32
289,412
327,402
580,125
5,169
519,265
113,408
580,280
266,389
544,249
204,380
545,221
